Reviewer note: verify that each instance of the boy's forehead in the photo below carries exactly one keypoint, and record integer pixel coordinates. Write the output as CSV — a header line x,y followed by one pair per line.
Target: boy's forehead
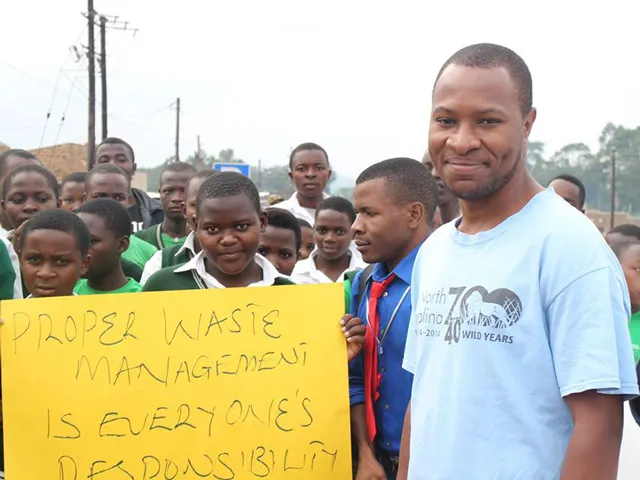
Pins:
x,y
28,178
175,177
278,236
107,179
236,206
48,239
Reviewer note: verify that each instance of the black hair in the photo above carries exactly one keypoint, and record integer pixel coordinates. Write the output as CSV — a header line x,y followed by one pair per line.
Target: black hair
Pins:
x,y
202,174
307,146
39,169
228,184
116,217
338,204
303,223
622,246
118,141
75,177
105,168
280,218
407,181
574,180
178,167
489,55
16,152
628,230
62,221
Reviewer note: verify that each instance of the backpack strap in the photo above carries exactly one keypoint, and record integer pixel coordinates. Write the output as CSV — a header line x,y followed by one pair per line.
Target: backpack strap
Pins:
x,y
362,283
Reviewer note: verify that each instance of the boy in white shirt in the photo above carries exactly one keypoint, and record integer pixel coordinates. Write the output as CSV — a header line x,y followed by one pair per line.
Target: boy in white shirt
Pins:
x,y
334,254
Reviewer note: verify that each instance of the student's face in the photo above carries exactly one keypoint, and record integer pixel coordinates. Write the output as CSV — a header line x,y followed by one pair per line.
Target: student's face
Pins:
x,y
28,194
228,229
568,191
109,185
477,134
51,263
105,246
189,206
308,244
332,234
630,261
445,196
310,173
173,187
382,229
278,245
118,155
72,195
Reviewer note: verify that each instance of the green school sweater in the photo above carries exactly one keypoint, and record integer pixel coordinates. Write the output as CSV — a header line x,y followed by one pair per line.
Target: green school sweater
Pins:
x,y
139,251
154,236
170,257
634,330
7,274
167,280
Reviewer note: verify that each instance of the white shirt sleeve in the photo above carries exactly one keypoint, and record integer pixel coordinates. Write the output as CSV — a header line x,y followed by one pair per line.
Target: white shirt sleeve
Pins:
x,y
15,263
153,265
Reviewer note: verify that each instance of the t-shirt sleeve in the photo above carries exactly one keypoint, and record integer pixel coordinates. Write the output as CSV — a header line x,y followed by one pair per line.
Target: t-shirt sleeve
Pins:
x,y
410,359
589,336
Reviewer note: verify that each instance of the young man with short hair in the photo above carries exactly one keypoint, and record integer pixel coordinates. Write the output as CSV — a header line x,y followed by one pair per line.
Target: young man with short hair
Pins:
x,y
518,339
144,210
109,181
448,205
395,201
173,229
310,171
9,161
571,189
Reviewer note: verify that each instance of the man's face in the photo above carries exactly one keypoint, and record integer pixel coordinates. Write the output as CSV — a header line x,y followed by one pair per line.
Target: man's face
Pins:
x,y
109,185
381,230
444,194
477,133
189,206
72,195
569,191
118,155
310,172
173,186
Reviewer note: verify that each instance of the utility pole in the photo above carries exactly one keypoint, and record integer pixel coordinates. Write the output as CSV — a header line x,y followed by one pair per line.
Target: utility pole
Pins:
x,y
177,159
259,175
103,72
91,147
613,188
200,163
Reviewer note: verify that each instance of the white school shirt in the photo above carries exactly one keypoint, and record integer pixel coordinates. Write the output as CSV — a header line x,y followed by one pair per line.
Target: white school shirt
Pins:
x,y
15,263
154,264
306,271
293,205
269,272
505,324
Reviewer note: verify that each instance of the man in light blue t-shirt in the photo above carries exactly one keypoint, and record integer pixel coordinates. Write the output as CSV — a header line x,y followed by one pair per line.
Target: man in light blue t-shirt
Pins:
x,y
518,340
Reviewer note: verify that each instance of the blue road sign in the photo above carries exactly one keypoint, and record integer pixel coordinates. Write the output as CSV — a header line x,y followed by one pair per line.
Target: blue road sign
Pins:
x,y
243,168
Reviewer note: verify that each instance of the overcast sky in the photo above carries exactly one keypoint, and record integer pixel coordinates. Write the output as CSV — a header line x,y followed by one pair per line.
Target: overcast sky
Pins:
x,y
263,76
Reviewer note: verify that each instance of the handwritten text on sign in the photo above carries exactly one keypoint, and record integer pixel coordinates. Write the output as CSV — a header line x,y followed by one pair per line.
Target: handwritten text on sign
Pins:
x,y
219,384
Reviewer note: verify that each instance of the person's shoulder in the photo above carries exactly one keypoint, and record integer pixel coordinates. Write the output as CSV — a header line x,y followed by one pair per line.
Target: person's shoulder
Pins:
x,y
134,286
142,245
303,267
165,279
282,280
147,234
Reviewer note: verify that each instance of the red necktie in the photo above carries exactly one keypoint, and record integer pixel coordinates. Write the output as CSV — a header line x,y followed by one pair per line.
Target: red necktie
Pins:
x,y
372,377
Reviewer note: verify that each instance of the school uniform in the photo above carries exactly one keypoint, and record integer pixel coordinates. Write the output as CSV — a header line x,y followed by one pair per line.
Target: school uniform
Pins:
x,y
293,205
169,257
394,313
139,251
193,275
15,264
155,237
306,271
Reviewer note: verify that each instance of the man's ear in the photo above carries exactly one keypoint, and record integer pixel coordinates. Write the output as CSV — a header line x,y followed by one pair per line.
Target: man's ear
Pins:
x,y
123,244
416,214
290,174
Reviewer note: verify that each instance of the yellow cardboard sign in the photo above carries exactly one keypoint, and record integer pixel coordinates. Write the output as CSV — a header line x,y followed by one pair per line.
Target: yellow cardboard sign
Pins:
x,y
218,384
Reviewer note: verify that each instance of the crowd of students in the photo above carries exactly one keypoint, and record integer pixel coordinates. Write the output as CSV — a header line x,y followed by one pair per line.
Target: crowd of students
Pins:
x,y
497,318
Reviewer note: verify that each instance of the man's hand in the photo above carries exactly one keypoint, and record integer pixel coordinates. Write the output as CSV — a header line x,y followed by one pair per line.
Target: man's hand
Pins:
x,y
369,468
354,330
